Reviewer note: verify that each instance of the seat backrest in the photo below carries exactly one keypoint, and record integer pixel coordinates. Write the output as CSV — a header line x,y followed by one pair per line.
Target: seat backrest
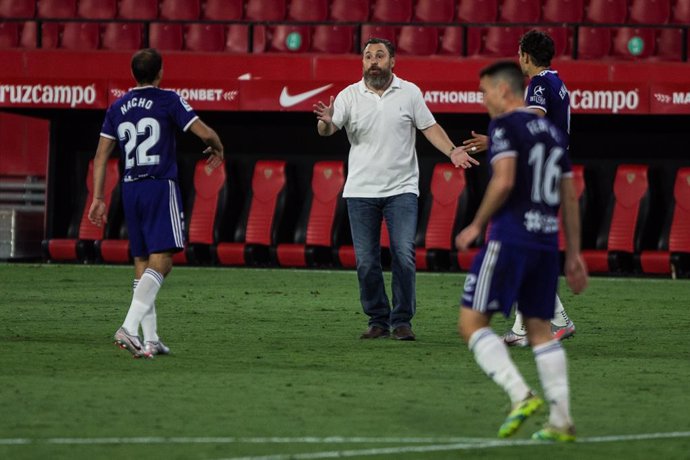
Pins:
x,y
167,36
562,40
445,207
501,41
607,11
680,12
87,230
237,38
631,194
579,184
332,38
265,10
451,41
97,9
477,10
80,36
9,34
669,44
417,40
204,37
391,11
562,10
633,43
179,10
593,42
519,11
307,10
434,10
267,202
222,10
122,36
138,9
350,10
327,184
380,31
57,9
650,11
679,235
17,9
209,187
289,38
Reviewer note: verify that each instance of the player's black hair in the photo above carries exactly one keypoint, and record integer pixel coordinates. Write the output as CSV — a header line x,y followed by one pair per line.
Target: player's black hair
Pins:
x,y
374,40
508,71
539,46
146,64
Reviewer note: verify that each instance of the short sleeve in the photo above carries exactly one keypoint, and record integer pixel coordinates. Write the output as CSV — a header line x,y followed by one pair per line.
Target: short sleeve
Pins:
x,y
182,113
423,117
536,96
501,141
341,114
108,130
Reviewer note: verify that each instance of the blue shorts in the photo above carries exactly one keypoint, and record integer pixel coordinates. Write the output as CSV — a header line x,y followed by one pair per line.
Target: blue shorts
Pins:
x,y
503,274
155,220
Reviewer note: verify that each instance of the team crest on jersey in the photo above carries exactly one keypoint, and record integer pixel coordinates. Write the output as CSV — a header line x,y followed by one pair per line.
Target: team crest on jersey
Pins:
x,y
186,105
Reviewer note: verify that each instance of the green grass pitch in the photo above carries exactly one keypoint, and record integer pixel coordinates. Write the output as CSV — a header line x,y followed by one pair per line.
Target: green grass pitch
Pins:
x,y
268,363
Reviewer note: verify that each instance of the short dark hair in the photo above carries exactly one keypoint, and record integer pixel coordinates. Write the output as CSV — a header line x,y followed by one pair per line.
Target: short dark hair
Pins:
x,y
507,71
146,64
375,40
539,46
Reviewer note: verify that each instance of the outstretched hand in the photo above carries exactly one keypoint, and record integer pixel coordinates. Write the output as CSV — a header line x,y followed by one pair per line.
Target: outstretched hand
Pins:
x,y
478,143
461,158
324,112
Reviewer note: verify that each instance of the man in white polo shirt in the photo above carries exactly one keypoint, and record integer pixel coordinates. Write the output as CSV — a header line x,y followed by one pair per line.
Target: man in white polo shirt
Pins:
x,y
381,114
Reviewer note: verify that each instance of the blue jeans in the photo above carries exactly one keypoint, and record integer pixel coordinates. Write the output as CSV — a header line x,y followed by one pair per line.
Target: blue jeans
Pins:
x,y
400,213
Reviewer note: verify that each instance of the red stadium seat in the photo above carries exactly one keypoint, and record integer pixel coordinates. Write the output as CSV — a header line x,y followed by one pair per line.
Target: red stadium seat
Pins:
x,y
378,31
434,10
53,9
259,226
621,231
422,41
114,250
451,41
519,11
607,11
633,43
680,12
334,39
650,11
308,10
501,41
237,38
122,36
265,10
391,11
9,34
81,234
179,10
350,10
204,37
562,40
669,45
97,9
80,36
580,193
138,9
323,211
222,10
28,35
288,38
166,36
593,42
17,9
477,10
50,35
563,11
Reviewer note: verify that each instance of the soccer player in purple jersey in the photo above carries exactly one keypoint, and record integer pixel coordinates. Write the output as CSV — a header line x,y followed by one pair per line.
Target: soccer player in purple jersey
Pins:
x,y
547,96
143,123
531,177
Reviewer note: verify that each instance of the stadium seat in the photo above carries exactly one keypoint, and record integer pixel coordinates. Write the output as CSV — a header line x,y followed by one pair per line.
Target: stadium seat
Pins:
x,y
334,39
265,10
581,193
308,10
434,10
57,9
50,35
204,37
260,223
97,9
606,11
650,11
421,41
288,38
81,234
620,234
501,41
166,36
519,11
680,12
114,250
179,10
562,40
9,34
237,38
120,36
451,41
80,36
17,9
316,232
673,253
633,43
562,11
222,10
379,31
350,10
138,9
28,35
477,11
391,11
669,45
593,42
442,216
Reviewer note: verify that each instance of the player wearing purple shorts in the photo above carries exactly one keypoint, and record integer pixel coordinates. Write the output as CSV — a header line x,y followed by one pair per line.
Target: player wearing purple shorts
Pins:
x,y
530,178
143,123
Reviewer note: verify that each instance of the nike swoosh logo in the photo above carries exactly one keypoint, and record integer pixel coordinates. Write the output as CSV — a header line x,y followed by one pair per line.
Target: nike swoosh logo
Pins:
x,y
288,100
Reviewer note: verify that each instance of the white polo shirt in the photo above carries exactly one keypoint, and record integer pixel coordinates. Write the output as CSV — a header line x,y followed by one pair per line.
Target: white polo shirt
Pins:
x,y
381,131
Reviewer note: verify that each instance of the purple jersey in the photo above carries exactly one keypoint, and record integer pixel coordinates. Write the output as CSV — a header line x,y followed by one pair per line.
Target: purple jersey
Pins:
x,y
144,122
546,91
529,217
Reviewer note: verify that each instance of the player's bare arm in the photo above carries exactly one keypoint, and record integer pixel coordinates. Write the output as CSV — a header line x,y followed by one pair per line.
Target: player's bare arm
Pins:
x,y
439,139
324,115
575,268
97,214
211,139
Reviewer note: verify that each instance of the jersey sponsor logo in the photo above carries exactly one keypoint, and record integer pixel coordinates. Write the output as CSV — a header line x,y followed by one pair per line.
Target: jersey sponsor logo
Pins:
x,y
453,97
289,100
613,101
536,222
71,95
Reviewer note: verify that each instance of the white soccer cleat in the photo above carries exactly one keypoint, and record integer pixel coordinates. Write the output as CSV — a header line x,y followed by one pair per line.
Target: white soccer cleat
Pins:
x,y
131,343
515,340
563,332
156,348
